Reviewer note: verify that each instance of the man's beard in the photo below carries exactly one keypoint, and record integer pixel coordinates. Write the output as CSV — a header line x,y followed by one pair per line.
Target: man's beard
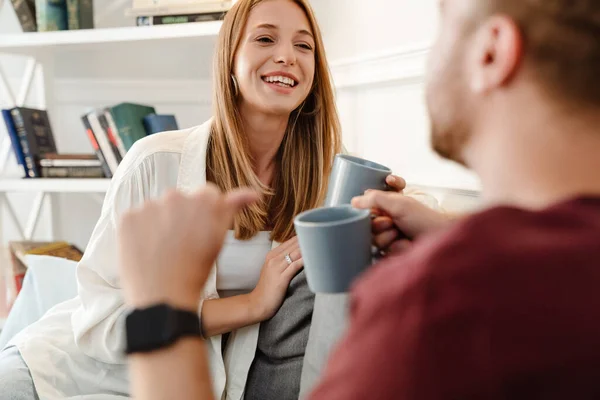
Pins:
x,y
450,142
448,112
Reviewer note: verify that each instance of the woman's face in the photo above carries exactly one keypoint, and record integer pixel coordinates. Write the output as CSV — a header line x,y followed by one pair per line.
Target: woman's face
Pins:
x,y
275,61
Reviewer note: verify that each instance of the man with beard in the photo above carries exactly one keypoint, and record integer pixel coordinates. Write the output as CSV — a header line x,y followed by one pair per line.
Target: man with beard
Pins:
x,y
502,304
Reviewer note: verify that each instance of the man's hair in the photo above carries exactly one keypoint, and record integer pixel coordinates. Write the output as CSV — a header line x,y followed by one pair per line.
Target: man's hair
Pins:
x,y
562,44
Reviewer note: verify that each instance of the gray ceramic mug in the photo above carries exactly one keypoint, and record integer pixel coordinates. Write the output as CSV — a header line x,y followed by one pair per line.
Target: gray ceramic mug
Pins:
x,y
352,176
336,246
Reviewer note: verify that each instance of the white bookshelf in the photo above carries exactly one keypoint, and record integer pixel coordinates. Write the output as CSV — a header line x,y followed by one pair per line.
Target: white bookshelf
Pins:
x,y
41,43
42,50
54,185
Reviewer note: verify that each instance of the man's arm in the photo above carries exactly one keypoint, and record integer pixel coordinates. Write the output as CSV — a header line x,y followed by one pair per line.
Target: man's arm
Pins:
x,y
176,372
165,256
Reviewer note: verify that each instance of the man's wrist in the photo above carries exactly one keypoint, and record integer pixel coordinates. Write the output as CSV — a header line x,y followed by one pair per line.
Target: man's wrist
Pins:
x,y
181,301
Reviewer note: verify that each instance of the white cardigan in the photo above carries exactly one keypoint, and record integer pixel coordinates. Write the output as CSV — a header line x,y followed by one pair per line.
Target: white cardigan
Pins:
x,y
76,350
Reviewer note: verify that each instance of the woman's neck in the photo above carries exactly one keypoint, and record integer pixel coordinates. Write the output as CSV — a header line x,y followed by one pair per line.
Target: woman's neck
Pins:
x,y
265,134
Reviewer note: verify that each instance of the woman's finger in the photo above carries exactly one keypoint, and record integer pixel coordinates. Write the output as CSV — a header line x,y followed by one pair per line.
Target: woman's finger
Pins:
x,y
286,247
293,269
294,254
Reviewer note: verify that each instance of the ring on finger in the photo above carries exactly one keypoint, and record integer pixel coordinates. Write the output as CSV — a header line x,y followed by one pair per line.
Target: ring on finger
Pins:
x,y
288,259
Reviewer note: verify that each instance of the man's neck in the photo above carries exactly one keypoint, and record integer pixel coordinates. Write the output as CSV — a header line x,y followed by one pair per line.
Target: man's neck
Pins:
x,y
537,157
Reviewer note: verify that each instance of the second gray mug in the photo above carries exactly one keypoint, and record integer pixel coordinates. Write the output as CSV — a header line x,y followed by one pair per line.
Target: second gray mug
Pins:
x,y
352,176
336,246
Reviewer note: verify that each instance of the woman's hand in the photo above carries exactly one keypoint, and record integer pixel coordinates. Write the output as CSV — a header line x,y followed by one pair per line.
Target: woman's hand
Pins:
x,y
275,278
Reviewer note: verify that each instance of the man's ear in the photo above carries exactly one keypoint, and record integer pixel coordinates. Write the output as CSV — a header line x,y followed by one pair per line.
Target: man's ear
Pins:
x,y
496,54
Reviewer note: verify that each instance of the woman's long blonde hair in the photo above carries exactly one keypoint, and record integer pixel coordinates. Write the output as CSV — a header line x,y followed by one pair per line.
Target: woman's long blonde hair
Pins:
x,y
305,158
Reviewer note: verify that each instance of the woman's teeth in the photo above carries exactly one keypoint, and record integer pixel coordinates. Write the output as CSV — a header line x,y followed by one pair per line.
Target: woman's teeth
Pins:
x,y
280,80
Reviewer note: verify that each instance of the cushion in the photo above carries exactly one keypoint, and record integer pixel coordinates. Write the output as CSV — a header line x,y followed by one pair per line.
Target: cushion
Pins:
x,y
48,281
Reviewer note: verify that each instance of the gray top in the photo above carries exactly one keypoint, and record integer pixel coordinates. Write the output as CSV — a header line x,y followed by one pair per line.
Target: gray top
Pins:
x,y
277,367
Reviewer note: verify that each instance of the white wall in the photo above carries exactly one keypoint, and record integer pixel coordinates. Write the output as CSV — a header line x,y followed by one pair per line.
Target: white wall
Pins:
x,y
359,27
377,50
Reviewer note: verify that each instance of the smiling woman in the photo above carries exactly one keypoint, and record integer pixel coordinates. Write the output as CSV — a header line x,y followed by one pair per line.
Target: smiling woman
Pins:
x,y
273,69
275,129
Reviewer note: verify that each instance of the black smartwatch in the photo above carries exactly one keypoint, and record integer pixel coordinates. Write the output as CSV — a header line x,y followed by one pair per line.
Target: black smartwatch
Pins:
x,y
159,326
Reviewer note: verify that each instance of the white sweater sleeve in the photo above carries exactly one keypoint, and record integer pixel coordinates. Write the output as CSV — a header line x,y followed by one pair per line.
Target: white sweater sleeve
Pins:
x,y
97,323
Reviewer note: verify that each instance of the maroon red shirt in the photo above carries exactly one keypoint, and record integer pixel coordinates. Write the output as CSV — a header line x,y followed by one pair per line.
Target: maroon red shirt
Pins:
x,y
503,305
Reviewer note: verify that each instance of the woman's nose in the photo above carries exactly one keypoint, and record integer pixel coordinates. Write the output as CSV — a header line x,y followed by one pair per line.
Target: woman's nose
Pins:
x,y
285,55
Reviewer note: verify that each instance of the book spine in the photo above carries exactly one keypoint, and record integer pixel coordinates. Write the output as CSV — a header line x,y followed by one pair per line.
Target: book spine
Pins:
x,y
103,142
72,172
94,142
198,7
69,163
51,15
159,123
73,14
30,165
14,138
25,11
86,14
113,127
111,137
128,119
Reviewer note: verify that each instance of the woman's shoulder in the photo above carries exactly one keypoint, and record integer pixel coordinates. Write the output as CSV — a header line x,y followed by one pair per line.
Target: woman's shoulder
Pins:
x,y
158,148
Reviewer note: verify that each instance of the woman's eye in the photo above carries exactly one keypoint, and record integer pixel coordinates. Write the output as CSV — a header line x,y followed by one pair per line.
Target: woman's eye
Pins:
x,y
305,46
265,39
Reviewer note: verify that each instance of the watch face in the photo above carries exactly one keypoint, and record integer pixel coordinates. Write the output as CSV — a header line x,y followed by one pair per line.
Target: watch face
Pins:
x,y
159,326
150,328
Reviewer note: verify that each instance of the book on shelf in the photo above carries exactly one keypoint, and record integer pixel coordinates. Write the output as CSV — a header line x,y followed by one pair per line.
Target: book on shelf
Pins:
x,y
54,15
25,11
154,123
144,8
70,160
128,120
112,131
14,138
35,136
80,14
94,142
110,157
72,172
20,249
51,15
71,166
178,19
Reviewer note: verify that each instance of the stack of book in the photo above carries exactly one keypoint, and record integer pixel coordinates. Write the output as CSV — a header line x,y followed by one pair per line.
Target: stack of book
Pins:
x,y
160,12
54,15
111,131
71,166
